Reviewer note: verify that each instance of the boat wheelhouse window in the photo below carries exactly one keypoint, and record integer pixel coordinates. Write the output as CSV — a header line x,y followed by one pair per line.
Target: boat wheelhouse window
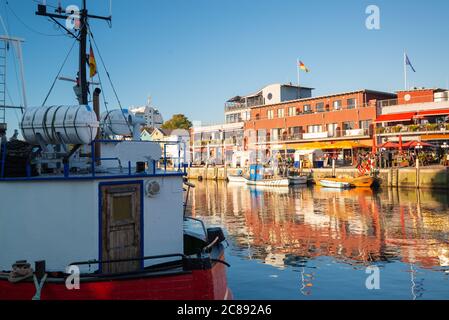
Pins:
x,y
122,207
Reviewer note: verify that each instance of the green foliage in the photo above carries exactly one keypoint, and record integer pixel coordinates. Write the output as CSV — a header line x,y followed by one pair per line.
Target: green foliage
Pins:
x,y
178,121
380,130
432,127
396,129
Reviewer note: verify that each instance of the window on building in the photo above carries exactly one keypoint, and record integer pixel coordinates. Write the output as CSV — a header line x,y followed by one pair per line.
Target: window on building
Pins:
x,y
294,131
332,129
280,113
315,128
307,108
291,111
319,107
352,103
275,134
270,114
337,105
366,126
349,125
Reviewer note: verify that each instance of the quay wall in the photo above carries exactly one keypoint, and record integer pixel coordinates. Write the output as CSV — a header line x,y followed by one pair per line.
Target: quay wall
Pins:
x,y
422,178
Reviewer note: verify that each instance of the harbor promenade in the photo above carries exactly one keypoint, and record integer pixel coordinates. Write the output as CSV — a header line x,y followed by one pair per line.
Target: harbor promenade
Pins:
x,y
435,177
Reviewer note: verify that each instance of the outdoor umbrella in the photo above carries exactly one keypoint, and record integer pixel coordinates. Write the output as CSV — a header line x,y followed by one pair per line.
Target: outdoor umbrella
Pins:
x,y
414,144
389,145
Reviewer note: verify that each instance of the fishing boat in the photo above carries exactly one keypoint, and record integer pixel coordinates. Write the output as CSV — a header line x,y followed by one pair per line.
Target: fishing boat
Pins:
x,y
87,216
259,176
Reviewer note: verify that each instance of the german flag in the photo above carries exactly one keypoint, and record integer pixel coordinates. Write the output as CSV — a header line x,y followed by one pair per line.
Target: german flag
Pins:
x,y
303,67
92,63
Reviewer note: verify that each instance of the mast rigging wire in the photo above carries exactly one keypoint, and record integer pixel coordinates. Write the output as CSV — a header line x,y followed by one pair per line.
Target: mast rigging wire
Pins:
x,y
59,72
30,28
109,77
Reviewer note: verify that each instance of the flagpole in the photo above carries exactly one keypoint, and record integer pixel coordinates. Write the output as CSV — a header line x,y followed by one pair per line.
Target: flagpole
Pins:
x,y
297,70
405,70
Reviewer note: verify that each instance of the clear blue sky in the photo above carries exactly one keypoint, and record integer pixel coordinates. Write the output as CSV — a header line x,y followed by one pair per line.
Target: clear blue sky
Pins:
x,y
192,55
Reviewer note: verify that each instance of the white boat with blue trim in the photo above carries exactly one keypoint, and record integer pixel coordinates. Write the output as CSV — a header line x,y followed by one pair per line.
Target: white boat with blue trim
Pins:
x,y
260,176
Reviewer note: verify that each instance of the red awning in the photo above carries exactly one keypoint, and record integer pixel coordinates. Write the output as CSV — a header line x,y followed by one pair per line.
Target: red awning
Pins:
x,y
389,145
429,113
408,116
414,144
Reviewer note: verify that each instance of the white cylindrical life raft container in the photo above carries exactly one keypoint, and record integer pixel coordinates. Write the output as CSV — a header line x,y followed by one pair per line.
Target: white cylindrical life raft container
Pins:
x,y
60,125
117,122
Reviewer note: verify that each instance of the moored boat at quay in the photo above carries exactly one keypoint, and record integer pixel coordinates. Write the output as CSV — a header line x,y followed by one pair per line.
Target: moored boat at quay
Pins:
x,y
87,216
260,176
364,181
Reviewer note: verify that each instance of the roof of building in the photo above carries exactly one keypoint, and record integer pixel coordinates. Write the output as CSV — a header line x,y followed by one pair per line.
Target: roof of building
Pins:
x,y
423,89
328,96
239,98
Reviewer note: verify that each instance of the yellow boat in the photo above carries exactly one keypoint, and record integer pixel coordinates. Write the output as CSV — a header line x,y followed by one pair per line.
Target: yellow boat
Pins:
x,y
359,182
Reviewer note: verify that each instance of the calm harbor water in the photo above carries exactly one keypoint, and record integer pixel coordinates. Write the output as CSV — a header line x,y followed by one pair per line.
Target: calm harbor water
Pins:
x,y
316,243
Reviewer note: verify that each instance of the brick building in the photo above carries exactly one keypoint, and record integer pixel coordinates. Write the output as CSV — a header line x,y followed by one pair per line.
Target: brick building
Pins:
x,y
343,117
420,114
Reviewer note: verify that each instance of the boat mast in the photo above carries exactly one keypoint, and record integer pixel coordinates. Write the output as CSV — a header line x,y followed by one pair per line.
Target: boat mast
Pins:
x,y
83,17
82,54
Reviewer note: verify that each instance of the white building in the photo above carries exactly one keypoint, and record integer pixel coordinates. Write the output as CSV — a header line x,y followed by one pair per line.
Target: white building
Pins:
x,y
151,115
237,109
218,144
175,144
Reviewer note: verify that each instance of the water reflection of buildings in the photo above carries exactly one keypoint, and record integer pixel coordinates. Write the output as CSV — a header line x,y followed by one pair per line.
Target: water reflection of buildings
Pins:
x,y
287,226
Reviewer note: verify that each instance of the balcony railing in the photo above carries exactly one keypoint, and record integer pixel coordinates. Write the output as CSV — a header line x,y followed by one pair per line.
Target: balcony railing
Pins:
x,y
251,102
418,129
218,142
319,135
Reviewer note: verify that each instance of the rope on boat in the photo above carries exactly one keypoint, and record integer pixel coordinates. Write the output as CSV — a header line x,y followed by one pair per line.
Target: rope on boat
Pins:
x,y
39,286
20,272
221,261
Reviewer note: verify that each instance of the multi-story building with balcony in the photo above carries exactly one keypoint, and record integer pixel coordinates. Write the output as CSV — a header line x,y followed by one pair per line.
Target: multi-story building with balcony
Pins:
x,y
237,109
342,117
218,144
420,114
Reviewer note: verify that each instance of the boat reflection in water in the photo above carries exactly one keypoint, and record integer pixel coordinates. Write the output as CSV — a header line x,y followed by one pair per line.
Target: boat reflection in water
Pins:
x,y
302,242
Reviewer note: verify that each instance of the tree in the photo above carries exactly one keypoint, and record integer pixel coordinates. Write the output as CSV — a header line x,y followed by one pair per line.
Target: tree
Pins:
x,y
178,121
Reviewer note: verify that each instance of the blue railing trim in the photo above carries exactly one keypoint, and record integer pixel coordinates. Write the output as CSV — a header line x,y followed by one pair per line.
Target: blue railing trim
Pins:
x,y
92,176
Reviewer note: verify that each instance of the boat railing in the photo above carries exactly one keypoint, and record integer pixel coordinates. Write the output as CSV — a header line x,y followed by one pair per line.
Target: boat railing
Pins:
x,y
156,167
196,221
140,259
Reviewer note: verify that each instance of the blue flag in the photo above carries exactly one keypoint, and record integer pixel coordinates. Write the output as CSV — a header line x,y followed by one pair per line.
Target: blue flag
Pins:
x,y
407,62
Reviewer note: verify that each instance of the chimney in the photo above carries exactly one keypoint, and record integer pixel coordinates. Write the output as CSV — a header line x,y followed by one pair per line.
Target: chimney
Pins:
x,y
96,103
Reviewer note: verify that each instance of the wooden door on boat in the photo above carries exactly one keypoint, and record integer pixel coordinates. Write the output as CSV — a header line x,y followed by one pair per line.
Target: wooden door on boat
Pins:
x,y
121,210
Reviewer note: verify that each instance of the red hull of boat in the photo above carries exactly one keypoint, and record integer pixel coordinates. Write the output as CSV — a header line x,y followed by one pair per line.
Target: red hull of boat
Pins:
x,y
195,285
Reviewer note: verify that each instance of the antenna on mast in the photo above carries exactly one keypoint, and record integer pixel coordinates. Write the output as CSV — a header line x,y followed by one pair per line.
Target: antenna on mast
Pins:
x,y
79,30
